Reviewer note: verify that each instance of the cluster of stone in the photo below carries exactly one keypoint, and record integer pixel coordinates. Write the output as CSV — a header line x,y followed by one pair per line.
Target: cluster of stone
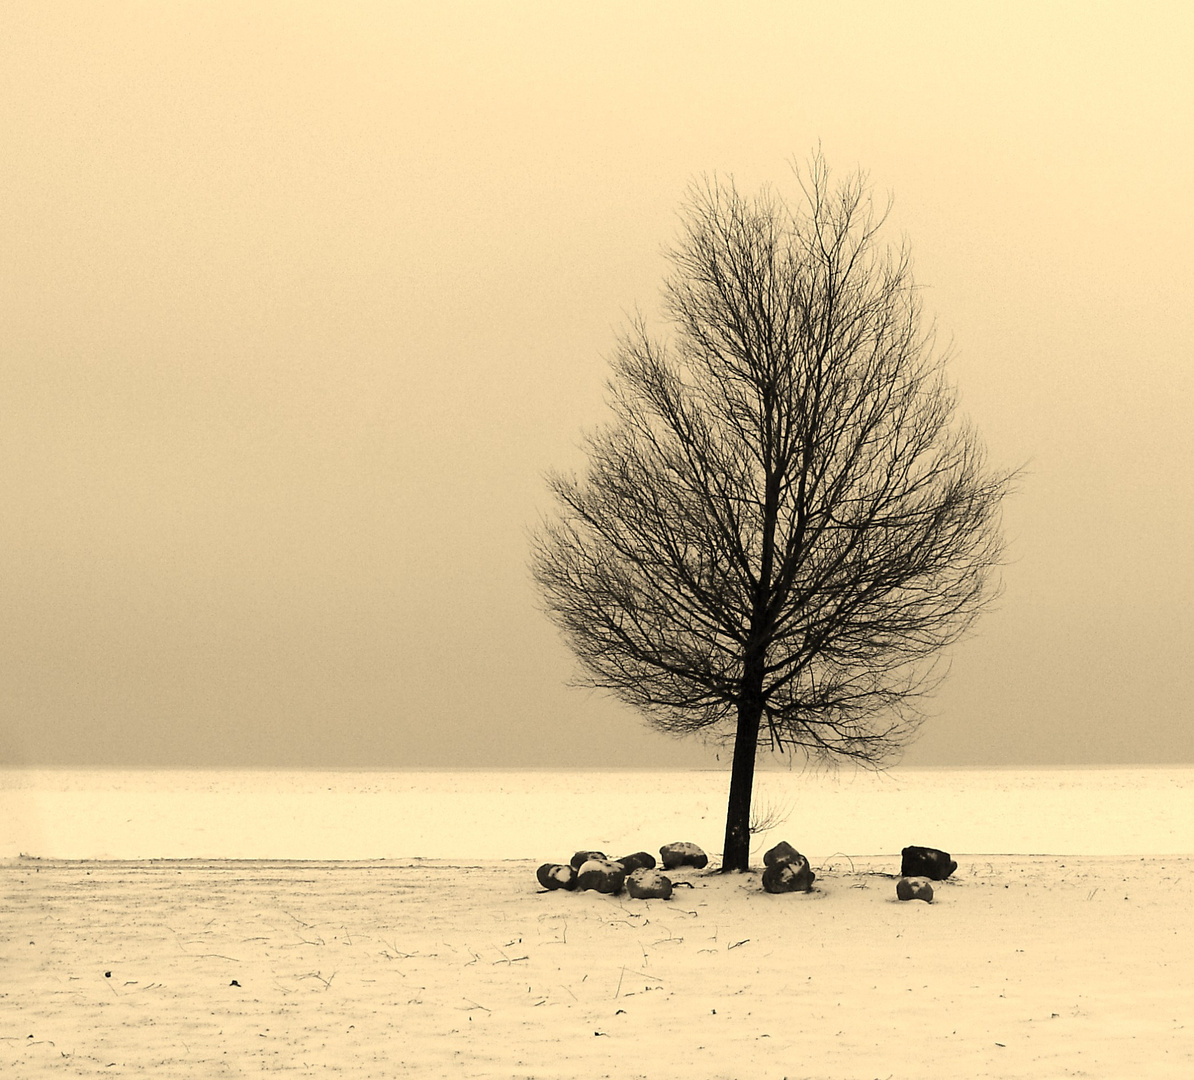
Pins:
x,y
786,870
919,867
637,873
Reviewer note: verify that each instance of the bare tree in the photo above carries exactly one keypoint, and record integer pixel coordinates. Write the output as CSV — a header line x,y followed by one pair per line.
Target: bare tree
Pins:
x,y
784,523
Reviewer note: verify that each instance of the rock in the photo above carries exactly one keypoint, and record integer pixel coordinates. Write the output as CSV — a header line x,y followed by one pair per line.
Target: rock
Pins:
x,y
556,876
683,854
914,888
646,883
639,860
790,875
585,856
602,876
781,853
926,862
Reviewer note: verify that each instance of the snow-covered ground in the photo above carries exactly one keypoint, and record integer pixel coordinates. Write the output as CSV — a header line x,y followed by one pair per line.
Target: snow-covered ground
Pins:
x,y
416,942
1028,967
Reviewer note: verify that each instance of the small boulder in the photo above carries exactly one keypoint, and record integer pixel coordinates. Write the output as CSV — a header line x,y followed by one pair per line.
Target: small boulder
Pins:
x,y
914,888
585,856
601,875
683,854
556,876
789,875
781,853
926,862
639,860
646,883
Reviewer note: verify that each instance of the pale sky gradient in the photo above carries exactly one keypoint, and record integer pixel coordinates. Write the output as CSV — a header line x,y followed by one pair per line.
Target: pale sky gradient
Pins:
x,y
301,300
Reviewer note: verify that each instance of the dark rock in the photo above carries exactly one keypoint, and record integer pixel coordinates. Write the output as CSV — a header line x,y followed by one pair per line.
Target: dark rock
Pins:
x,y
602,876
914,888
790,875
556,876
781,853
639,860
926,862
585,856
683,854
646,883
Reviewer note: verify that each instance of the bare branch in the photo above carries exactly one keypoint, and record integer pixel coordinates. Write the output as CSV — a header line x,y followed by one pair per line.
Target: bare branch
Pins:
x,y
784,522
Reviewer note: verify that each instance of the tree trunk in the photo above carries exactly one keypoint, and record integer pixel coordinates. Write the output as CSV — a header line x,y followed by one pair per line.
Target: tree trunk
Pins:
x,y
736,850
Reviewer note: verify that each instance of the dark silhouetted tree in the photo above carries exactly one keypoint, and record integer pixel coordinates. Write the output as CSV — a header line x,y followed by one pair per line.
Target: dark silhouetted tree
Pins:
x,y
784,522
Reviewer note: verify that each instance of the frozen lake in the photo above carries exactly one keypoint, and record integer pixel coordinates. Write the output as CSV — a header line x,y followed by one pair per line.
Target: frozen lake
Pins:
x,y
546,815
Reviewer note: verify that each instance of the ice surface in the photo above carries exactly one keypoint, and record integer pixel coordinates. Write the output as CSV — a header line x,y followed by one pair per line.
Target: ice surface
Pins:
x,y
547,815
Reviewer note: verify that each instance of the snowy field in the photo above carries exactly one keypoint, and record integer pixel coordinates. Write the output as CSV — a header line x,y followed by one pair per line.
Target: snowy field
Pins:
x,y
368,925
1035,967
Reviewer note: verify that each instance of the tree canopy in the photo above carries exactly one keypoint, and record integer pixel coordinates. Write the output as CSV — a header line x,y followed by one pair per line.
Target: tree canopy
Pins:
x,y
784,522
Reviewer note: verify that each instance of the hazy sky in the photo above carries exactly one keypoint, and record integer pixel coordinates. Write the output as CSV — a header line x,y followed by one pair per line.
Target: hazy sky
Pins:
x,y
299,302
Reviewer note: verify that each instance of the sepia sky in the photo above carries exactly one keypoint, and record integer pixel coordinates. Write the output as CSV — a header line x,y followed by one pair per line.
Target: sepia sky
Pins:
x,y
299,301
